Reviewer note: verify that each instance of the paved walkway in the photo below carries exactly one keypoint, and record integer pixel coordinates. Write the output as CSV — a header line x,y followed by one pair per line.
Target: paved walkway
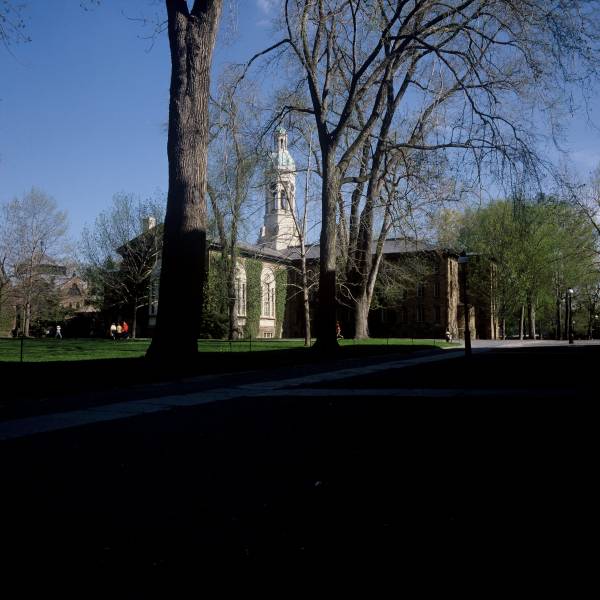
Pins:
x,y
18,428
276,386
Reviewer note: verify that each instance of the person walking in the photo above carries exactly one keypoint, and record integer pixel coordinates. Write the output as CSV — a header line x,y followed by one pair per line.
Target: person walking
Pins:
x,y
119,331
113,331
58,333
125,330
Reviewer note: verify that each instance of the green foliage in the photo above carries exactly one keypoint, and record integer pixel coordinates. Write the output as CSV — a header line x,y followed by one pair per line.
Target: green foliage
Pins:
x,y
253,296
215,297
281,279
397,281
214,325
215,318
540,248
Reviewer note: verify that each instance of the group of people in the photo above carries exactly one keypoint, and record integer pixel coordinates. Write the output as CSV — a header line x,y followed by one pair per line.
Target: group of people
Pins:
x,y
119,331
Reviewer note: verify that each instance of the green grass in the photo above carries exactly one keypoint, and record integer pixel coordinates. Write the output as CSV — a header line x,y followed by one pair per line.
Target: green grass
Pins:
x,y
47,350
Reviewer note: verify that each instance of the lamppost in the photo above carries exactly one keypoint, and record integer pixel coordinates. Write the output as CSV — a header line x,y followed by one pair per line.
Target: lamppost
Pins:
x,y
463,259
570,323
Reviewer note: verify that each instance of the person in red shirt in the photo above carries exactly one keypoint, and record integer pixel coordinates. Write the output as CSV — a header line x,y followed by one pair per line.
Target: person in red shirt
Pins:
x,y
125,329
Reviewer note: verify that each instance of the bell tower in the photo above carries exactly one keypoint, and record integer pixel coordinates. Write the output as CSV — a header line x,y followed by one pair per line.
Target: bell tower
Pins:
x,y
279,230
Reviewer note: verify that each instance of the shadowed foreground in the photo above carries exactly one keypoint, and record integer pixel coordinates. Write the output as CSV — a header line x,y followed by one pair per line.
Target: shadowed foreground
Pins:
x,y
401,480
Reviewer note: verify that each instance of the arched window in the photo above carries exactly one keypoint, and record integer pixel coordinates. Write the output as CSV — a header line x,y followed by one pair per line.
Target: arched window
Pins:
x,y
240,290
267,281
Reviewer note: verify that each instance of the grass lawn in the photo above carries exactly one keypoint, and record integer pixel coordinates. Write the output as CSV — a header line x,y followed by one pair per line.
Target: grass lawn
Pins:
x,y
50,350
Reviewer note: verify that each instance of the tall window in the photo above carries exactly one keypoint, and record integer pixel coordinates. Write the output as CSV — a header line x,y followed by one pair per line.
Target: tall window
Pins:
x,y
420,290
436,288
274,196
420,313
240,290
284,199
268,293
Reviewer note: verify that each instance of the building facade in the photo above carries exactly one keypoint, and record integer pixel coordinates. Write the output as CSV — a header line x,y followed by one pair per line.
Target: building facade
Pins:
x,y
268,304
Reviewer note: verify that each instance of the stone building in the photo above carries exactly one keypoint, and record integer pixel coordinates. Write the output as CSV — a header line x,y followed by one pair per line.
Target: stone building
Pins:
x,y
279,231
427,298
59,294
426,304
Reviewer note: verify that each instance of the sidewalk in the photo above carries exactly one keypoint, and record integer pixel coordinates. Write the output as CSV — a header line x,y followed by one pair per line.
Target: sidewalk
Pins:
x,y
357,462
147,399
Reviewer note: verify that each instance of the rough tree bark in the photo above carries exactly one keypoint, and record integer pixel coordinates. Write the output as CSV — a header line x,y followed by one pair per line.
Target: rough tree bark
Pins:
x,y
192,37
326,317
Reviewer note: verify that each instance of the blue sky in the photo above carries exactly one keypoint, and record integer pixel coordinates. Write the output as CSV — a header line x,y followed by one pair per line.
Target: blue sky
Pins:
x,y
83,106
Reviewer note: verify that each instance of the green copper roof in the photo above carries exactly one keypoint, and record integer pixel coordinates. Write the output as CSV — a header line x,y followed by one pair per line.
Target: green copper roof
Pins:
x,y
282,160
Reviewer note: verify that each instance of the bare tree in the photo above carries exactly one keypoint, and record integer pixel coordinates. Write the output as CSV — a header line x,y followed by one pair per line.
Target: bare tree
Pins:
x,y
192,34
429,76
12,23
33,242
307,282
120,253
587,199
232,169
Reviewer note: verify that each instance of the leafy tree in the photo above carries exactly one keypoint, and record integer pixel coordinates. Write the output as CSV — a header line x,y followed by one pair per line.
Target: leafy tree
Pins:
x,y
408,78
32,242
120,253
539,248
233,166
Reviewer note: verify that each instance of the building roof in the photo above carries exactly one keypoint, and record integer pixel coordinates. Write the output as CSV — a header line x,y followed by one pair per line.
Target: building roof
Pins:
x,y
390,247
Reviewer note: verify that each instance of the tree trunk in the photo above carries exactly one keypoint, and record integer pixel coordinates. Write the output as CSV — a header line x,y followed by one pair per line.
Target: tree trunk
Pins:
x,y
326,318
531,319
232,300
305,296
26,318
183,269
361,317
522,322
567,317
134,323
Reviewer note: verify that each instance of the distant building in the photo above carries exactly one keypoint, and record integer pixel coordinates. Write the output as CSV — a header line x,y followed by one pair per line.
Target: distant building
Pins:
x,y
59,294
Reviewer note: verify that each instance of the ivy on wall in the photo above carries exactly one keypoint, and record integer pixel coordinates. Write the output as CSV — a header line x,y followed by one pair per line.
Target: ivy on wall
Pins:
x,y
216,285
216,310
281,280
253,296
215,320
